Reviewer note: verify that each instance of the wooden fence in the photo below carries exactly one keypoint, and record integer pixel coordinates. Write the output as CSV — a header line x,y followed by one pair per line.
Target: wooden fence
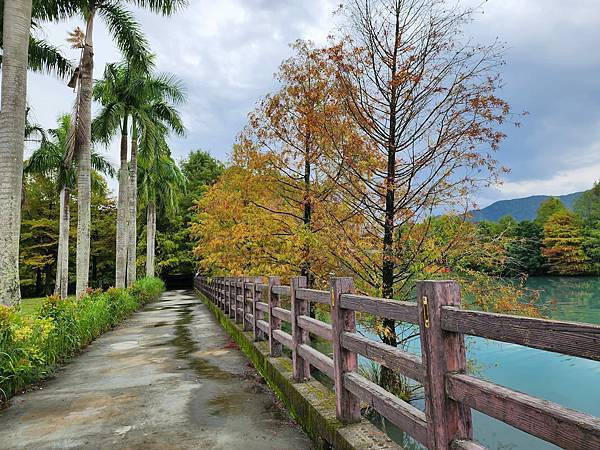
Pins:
x,y
450,393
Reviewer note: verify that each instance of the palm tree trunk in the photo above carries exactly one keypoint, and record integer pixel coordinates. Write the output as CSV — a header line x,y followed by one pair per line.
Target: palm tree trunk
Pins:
x,y
150,238
83,145
132,242
122,214
62,269
17,22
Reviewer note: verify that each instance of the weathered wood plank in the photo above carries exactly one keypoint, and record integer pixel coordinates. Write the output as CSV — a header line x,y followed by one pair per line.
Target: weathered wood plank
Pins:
x,y
262,306
300,367
263,326
404,362
381,307
283,337
314,295
261,287
463,444
315,326
569,338
441,352
275,348
347,405
282,314
250,318
281,290
402,414
317,359
547,420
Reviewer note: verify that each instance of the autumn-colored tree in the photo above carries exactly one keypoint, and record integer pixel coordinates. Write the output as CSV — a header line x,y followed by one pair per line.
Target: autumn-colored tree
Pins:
x,y
424,98
288,144
563,244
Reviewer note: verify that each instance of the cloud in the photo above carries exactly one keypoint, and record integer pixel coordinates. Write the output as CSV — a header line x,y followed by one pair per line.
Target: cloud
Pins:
x,y
226,53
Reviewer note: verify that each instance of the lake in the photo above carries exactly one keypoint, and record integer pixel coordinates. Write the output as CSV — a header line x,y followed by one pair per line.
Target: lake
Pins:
x,y
569,381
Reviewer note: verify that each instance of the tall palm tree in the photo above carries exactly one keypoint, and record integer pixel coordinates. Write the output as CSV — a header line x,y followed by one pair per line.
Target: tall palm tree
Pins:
x,y
15,41
128,37
51,159
144,102
161,183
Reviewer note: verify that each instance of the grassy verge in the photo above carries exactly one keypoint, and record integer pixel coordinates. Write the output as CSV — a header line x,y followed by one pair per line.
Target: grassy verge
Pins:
x,y
33,343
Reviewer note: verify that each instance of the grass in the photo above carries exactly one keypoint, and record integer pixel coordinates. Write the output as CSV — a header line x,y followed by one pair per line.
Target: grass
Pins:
x,y
31,306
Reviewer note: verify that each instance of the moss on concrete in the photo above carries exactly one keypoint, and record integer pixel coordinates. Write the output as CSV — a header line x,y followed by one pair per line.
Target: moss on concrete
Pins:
x,y
310,403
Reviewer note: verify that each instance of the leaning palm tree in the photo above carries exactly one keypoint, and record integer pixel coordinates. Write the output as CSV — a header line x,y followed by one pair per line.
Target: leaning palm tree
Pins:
x,y
50,159
144,104
161,184
133,45
15,42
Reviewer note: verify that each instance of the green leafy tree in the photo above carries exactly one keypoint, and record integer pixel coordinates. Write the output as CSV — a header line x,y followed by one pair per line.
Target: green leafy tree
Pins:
x,y
548,208
587,208
525,249
174,242
563,245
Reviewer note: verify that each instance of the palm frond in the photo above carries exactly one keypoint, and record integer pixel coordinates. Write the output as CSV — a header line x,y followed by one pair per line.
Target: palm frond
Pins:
x,y
164,7
127,34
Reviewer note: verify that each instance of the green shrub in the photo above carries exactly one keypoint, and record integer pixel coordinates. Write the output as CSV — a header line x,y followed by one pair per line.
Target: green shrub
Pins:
x,y
31,346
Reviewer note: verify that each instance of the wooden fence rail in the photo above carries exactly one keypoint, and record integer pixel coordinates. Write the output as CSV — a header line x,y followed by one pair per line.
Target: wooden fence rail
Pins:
x,y
450,393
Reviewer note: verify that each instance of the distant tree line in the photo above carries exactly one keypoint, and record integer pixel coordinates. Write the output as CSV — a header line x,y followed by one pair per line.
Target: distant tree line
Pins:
x,y
558,241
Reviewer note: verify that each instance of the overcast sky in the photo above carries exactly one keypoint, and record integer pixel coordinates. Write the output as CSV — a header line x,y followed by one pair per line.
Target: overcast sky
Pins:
x,y
227,51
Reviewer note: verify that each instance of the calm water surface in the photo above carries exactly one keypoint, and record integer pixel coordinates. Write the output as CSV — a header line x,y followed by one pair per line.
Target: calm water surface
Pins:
x,y
569,381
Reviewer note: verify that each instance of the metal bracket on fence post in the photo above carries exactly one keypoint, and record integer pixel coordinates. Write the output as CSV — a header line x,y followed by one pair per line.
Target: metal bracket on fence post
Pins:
x,y
347,405
275,347
301,367
442,352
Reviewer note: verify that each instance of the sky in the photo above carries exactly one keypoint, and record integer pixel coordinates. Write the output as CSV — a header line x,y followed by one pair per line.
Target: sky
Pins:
x,y
226,53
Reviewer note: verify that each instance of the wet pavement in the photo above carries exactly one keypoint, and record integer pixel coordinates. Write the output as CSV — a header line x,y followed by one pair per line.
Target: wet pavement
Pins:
x,y
168,378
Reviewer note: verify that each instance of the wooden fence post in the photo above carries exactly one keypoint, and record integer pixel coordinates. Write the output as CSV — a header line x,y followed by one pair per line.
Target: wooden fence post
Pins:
x,y
301,368
228,299
347,405
256,295
442,352
232,295
275,347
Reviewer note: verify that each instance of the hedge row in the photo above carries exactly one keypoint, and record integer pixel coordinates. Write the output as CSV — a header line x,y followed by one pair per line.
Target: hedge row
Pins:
x,y
32,346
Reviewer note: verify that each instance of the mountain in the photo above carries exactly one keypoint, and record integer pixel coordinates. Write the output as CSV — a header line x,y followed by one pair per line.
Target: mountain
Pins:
x,y
520,208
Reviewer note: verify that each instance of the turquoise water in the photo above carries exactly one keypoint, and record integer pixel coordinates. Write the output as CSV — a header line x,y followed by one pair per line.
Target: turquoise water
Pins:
x,y
569,381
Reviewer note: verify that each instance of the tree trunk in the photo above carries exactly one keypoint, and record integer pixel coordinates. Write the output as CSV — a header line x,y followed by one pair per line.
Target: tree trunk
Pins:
x,y
17,22
83,145
150,239
38,281
62,266
48,280
122,213
132,242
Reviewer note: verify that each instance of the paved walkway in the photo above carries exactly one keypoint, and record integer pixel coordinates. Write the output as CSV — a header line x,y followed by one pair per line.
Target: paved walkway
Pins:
x,y
168,378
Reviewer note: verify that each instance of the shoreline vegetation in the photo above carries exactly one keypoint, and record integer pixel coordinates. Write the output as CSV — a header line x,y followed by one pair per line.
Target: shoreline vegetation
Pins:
x,y
33,344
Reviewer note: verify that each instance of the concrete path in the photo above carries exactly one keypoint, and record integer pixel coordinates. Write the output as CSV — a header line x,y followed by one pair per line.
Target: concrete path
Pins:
x,y
168,378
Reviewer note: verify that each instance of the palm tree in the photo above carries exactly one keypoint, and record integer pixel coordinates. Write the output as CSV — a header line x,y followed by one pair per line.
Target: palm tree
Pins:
x,y
146,103
51,159
128,37
15,40
161,183
43,56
